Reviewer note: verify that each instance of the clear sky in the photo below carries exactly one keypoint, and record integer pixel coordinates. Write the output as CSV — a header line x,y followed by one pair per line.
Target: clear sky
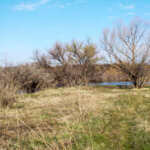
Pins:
x,y
26,25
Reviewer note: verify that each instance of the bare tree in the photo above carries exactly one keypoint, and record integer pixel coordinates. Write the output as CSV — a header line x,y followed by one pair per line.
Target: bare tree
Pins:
x,y
58,62
62,61
86,56
128,49
71,64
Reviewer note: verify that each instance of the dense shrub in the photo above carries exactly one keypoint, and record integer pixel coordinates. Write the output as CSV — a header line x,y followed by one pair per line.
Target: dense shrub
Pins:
x,y
30,78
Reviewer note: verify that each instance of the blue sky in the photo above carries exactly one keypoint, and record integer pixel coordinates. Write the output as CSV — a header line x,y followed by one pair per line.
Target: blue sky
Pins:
x,y
26,25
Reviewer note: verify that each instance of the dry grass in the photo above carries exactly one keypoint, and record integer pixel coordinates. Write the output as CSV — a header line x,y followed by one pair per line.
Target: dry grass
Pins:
x,y
8,90
78,118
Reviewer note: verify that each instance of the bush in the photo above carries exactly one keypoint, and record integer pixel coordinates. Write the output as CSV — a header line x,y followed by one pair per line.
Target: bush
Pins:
x,y
30,79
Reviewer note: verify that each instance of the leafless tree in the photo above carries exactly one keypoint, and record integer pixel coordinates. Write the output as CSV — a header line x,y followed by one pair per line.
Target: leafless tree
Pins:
x,y
85,55
56,61
71,64
128,49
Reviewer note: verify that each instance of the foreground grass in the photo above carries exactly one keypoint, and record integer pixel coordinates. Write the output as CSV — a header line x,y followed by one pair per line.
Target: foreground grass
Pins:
x,y
79,118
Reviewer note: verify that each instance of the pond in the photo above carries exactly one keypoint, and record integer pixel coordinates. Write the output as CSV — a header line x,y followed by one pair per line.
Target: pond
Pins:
x,y
115,83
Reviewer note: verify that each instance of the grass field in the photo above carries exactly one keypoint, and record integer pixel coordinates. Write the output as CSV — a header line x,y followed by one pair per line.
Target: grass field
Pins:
x,y
78,118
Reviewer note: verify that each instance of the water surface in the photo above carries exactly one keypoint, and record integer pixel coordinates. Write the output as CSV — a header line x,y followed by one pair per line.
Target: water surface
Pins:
x,y
114,83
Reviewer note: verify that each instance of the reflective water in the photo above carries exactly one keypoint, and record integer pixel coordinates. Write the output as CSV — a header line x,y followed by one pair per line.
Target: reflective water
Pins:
x,y
113,83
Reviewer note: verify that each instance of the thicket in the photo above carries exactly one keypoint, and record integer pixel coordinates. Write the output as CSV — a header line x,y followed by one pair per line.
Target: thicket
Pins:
x,y
72,64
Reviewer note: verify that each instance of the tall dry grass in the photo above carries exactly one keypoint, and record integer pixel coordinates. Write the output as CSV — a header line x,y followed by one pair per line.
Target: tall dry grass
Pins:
x,y
8,89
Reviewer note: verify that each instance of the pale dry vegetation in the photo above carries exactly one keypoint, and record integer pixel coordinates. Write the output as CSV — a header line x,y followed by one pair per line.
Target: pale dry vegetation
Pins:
x,y
8,89
78,118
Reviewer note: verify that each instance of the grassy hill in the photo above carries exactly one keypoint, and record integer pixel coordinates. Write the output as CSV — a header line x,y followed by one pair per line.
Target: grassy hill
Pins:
x,y
78,118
